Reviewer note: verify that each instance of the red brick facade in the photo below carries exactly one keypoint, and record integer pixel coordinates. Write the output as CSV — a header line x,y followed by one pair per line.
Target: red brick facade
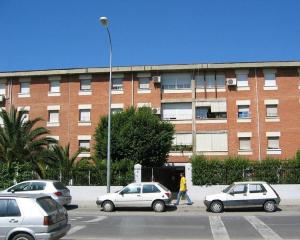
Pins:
x,y
286,97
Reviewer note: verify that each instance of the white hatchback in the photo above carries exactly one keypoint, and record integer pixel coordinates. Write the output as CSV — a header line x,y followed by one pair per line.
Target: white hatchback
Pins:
x,y
145,194
58,191
244,194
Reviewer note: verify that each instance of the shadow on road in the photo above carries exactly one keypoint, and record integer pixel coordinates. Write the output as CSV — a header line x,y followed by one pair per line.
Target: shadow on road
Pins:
x,y
71,207
253,209
169,208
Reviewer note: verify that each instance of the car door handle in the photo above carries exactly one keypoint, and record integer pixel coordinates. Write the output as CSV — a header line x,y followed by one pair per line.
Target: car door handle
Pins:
x,y
138,195
13,221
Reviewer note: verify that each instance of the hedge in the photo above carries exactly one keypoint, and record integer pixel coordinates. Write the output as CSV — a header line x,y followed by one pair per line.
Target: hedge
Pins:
x,y
231,169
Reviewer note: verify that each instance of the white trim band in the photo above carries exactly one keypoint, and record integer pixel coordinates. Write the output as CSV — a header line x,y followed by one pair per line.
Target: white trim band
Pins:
x,y
84,137
85,106
273,134
53,107
244,134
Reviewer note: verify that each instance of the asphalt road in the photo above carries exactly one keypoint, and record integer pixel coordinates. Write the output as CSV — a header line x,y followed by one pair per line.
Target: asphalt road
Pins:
x,y
184,223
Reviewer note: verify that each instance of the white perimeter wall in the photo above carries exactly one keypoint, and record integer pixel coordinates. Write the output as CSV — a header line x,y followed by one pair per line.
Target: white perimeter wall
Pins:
x,y
86,195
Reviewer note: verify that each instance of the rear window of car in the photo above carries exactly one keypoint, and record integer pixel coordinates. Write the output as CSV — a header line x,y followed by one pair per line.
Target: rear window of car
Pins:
x,y
48,204
163,187
59,186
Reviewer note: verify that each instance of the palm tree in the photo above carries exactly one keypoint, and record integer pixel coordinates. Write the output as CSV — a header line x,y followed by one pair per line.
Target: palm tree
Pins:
x,y
60,157
20,140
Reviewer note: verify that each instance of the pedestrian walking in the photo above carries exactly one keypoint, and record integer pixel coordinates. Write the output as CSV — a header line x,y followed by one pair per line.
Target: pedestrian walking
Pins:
x,y
183,190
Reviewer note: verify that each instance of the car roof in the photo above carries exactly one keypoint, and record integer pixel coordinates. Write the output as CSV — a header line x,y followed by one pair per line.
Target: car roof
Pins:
x,y
251,182
39,180
145,183
22,195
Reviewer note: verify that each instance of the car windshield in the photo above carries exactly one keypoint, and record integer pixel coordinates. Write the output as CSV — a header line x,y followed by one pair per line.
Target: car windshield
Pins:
x,y
226,190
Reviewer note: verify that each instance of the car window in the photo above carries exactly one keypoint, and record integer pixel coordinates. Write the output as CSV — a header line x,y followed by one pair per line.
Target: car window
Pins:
x,y
48,204
20,187
150,188
59,186
256,188
241,188
13,208
9,208
37,186
132,189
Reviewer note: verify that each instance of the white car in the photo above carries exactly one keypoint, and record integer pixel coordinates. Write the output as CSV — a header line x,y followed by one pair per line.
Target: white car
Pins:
x,y
244,194
145,194
58,191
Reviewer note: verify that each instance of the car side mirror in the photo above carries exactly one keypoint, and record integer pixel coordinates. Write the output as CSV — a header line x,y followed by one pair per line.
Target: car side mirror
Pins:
x,y
122,193
231,193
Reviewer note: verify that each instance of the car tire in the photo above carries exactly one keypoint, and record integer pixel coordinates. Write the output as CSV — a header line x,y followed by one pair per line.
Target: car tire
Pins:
x,y
108,206
269,206
23,236
159,206
216,207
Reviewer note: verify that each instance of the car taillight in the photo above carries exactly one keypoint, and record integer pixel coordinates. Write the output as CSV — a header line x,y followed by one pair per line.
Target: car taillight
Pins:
x,y
58,194
168,194
48,220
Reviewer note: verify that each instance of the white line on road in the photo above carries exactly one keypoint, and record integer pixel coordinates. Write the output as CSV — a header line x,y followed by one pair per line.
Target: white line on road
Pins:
x,y
217,228
75,229
97,219
264,230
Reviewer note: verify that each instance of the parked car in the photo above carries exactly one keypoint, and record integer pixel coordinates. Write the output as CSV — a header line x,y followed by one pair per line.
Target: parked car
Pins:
x,y
31,216
58,191
145,194
244,194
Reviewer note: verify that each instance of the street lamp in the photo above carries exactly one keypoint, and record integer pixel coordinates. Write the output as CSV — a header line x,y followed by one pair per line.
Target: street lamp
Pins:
x,y
104,23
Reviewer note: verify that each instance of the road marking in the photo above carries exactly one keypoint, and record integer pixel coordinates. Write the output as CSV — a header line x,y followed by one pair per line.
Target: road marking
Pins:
x,y
217,228
75,229
264,230
97,219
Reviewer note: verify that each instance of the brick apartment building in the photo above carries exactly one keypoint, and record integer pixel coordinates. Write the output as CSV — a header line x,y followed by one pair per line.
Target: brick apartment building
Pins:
x,y
249,109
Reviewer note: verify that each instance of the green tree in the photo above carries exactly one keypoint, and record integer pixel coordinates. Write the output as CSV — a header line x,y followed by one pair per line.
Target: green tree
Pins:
x,y
138,135
21,141
61,161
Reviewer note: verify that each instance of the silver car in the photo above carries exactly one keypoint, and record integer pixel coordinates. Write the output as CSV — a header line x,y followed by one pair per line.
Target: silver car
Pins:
x,y
31,217
58,191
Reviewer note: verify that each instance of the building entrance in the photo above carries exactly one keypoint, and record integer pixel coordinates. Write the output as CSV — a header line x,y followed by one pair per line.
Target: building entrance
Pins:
x,y
169,176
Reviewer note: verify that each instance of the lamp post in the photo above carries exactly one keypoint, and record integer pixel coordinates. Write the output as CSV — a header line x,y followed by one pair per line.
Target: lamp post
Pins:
x,y
104,23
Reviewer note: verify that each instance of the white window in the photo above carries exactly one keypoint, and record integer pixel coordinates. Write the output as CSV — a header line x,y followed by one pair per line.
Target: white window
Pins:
x,y
177,111
210,80
211,110
84,115
272,111
243,111
85,85
200,83
273,142
182,139
84,144
24,87
55,86
176,81
2,88
144,83
117,84
212,142
242,80
1,119
53,116
270,78
245,144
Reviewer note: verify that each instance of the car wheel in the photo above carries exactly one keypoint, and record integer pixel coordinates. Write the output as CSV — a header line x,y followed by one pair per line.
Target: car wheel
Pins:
x,y
216,206
108,206
159,206
23,236
269,206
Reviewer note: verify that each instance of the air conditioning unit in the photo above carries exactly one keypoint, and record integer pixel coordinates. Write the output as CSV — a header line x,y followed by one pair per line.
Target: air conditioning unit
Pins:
x,y
231,82
156,79
156,110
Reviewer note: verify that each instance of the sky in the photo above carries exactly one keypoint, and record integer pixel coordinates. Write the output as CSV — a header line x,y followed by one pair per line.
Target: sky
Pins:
x,y
57,34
